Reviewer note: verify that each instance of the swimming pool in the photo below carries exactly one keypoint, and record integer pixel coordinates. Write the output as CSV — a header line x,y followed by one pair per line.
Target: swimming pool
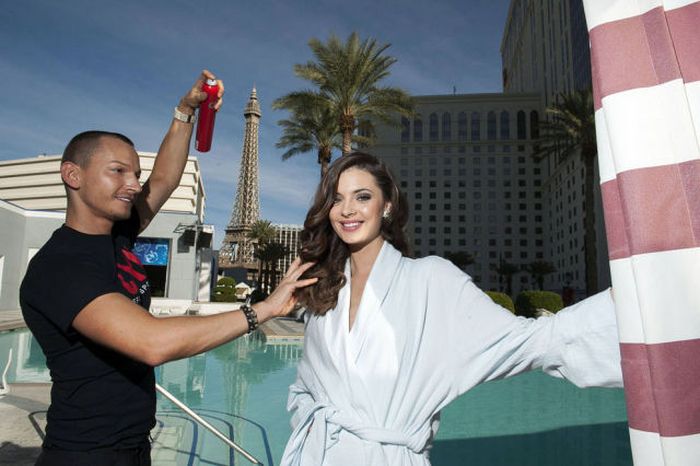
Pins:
x,y
241,388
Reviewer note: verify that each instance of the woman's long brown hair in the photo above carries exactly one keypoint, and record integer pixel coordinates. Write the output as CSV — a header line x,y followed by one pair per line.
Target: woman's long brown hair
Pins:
x,y
320,243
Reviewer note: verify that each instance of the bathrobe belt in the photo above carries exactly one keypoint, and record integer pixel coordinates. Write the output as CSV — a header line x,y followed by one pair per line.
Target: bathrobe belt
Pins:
x,y
310,445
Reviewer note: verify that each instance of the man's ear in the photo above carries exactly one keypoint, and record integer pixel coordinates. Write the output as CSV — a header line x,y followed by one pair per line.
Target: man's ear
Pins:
x,y
71,174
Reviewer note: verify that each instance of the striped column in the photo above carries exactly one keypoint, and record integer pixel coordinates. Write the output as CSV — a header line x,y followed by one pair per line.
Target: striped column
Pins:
x,y
645,56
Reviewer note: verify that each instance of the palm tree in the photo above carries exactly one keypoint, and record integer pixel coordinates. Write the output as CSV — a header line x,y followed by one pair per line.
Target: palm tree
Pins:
x,y
538,270
571,133
271,254
505,271
348,75
261,233
310,126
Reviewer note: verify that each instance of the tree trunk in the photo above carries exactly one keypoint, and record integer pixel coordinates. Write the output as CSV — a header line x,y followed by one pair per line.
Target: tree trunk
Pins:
x,y
589,226
260,273
324,158
347,126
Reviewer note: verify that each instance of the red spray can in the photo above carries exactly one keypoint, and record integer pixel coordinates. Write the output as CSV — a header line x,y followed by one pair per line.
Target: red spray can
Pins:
x,y
207,115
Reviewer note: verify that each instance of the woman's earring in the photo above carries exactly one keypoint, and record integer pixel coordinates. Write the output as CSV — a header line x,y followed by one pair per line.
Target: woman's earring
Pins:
x,y
386,214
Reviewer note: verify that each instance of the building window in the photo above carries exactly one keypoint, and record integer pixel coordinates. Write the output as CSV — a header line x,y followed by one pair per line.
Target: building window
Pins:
x,y
522,131
462,128
505,125
476,126
446,127
417,129
405,129
433,123
534,125
491,125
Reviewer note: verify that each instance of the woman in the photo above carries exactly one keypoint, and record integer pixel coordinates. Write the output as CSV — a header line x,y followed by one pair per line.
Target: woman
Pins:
x,y
392,340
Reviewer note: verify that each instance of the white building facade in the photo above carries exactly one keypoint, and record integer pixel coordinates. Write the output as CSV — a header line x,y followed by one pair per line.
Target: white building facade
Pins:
x,y
289,237
32,206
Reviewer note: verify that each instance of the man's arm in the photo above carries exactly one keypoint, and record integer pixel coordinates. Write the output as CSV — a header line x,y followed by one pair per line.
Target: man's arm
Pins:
x,y
114,321
172,154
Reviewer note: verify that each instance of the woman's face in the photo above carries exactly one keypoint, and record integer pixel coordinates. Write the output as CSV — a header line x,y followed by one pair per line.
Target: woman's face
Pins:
x,y
358,206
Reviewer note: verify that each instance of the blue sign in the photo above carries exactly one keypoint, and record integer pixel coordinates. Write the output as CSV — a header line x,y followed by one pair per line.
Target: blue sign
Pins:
x,y
152,251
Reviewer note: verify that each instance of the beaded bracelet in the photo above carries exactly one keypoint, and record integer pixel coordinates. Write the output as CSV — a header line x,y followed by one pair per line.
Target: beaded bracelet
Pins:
x,y
251,316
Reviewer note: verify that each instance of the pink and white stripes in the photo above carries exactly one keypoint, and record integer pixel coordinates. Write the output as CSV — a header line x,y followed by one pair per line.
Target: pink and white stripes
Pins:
x,y
645,56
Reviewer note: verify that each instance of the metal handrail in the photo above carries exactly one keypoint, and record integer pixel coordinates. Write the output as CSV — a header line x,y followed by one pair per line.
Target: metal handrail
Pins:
x,y
5,389
206,425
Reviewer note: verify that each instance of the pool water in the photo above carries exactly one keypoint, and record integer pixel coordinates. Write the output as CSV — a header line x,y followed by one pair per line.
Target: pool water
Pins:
x,y
241,388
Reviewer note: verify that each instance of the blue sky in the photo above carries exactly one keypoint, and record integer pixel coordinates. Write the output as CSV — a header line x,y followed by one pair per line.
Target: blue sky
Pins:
x,y
122,66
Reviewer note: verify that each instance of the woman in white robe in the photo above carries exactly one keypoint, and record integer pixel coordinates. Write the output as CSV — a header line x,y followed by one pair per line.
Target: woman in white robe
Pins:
x,y
404,337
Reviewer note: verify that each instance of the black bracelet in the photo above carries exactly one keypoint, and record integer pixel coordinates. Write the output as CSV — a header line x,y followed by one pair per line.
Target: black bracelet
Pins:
x,y
251,316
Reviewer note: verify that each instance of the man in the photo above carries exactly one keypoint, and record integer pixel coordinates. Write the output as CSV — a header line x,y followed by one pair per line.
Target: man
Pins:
x,y
85,297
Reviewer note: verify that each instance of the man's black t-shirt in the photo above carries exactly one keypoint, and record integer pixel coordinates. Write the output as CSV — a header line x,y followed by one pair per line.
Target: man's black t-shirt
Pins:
x,y
99,398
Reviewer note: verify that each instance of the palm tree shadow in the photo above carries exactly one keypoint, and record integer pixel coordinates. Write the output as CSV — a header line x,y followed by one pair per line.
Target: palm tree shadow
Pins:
x,y
588,445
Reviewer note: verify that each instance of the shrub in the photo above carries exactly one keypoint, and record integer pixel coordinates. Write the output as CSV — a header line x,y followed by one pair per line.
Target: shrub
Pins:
x,y
501,299
225,291
527,302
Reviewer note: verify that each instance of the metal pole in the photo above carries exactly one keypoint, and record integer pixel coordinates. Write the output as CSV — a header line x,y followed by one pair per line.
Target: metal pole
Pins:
x,y
206,425
197,264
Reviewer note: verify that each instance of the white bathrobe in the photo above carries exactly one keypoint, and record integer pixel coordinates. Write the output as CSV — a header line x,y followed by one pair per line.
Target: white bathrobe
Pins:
x,y
423,335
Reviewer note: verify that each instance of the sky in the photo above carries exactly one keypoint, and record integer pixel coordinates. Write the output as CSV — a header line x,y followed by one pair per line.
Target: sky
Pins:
x,y
75,65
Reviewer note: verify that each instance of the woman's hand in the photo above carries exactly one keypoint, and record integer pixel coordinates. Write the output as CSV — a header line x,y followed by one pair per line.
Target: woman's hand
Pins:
x,y
282,300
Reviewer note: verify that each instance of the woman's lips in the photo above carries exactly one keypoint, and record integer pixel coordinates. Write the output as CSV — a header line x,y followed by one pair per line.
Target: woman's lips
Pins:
x,y
350,226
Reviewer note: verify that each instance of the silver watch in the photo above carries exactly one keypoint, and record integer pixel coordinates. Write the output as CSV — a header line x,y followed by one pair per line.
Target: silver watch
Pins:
x,y
183,117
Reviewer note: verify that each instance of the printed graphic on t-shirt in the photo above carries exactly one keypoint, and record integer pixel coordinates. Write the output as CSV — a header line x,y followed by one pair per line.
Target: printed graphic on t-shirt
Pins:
x,y
132,276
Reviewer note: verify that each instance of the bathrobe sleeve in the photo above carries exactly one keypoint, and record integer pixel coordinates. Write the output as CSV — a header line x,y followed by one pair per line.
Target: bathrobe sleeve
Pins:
x,y
487,342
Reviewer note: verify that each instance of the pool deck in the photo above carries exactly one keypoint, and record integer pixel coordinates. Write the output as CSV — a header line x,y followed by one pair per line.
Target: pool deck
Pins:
x,y
283,330
23,414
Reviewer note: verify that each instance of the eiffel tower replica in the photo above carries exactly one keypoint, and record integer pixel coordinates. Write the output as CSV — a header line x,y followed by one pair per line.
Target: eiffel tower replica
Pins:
x,y
237,249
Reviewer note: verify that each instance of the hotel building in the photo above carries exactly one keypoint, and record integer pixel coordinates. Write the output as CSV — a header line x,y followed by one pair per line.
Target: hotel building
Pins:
x,y
545,50
464,162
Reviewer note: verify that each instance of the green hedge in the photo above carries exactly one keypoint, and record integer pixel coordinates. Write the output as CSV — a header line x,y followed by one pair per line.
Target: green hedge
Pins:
x,y
225,291
501,299
527,302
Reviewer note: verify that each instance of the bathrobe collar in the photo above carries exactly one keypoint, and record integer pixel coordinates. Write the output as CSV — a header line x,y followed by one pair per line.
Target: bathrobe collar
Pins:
x,y
384,269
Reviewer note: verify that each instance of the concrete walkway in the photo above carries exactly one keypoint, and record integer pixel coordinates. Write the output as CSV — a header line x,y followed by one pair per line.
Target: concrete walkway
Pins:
x,y
23,414
11,320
